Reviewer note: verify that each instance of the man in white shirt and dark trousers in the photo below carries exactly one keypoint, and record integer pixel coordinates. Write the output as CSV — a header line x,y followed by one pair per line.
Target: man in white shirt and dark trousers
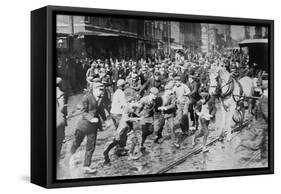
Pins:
x,y
181,91
118,102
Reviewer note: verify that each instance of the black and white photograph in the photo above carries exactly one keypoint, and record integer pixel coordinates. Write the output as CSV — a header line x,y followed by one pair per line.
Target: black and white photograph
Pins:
x,y
148,96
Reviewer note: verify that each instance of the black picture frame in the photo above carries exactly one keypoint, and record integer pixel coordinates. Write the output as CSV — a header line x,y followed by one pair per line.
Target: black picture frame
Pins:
x,y
43,51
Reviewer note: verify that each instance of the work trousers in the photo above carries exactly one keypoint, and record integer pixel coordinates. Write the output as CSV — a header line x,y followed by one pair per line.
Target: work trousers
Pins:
x,y
90,145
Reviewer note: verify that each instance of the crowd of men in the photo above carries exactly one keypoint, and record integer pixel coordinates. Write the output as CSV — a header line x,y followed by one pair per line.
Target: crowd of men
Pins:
x,y
146,95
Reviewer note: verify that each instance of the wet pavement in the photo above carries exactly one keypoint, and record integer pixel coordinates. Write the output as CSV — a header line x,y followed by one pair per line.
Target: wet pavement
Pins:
x,y
221,155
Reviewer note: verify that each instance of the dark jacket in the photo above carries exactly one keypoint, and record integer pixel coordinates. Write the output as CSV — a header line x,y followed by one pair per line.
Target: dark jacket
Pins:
x,y
91,109
171,106
211,106
194,91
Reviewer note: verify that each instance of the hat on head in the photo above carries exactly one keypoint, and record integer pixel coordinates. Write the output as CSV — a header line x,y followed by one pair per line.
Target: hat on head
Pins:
x,y
169,85
193,76
154,90
96,85
157,73
58,80
129,97
143,69
102,70
177,78
93,64
134,76
205,95
151,66
96,79
121,82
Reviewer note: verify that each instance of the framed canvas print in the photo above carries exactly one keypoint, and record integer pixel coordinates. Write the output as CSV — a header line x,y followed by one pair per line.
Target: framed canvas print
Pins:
x,y
126,96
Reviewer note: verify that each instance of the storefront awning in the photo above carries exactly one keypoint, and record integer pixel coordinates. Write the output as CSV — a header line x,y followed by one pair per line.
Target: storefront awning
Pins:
x,y
94,33
176,47
253,41
102,31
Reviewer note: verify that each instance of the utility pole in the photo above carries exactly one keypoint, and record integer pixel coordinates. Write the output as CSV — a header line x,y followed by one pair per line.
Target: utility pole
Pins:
x,y
72,25
169,35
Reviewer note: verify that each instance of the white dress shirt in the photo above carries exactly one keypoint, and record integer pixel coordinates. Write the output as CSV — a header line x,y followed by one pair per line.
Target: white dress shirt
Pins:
x,y
181,92
118,102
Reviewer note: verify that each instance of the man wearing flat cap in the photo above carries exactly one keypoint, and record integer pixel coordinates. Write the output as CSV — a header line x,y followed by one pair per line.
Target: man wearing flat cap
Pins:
x,y
194,96
89,123
153,81
158,81
134,82
106,80
147,110
206,110
168,109
91,74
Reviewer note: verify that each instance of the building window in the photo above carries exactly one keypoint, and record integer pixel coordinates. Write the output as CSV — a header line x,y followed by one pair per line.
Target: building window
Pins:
x,y
87,19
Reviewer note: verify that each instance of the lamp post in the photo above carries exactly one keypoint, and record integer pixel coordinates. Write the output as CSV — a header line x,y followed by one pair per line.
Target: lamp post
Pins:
x,y
169,35
60,47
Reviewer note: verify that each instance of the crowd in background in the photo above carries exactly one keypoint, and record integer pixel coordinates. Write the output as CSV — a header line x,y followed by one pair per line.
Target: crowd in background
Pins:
x,y
77,70
132,87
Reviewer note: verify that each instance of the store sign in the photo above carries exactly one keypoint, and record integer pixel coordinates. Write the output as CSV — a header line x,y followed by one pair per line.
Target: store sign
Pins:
x,y
204,38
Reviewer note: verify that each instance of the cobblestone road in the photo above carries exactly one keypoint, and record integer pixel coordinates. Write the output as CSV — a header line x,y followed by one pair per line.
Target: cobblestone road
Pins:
x,y
220,156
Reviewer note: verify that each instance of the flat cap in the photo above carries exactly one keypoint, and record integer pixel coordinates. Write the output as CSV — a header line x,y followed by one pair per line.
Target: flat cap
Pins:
x,y
120,82
134,75
96,80
169,85
154,90
96,85
58,80
157,73
204,94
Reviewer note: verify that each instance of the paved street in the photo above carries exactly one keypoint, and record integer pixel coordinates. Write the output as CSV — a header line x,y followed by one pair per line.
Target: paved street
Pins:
x,y
220,156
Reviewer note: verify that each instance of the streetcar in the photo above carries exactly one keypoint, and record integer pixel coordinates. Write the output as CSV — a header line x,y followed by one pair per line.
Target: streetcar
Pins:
x,y
257,52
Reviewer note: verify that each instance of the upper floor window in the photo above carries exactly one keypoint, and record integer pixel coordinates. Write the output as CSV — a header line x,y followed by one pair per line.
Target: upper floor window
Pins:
x,y
87,19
